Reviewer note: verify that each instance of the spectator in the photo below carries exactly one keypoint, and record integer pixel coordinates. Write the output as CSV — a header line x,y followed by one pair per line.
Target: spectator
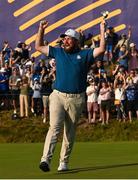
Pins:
x,y
105,95
133,57
111,41
132,75
14,84
92,74
37,98
136,76
24,92
4,88
125,40
46,82
92,105
119,90
25,51
17,53
131,93
123,57
95,42
6,50
35,74
119,70
8,69
99,65
103,76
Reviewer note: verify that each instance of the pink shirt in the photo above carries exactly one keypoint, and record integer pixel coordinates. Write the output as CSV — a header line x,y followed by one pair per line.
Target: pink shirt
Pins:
x,y
105,94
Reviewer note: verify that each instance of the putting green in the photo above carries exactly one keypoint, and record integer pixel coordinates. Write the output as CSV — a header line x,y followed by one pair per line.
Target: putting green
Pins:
x,y
110,160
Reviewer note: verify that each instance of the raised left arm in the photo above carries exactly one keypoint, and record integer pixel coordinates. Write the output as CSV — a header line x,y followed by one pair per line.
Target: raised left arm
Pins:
x,y
99,50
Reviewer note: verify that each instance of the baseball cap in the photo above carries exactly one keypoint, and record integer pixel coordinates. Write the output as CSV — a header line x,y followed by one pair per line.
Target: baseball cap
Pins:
x,y
109,27
71,33
132,45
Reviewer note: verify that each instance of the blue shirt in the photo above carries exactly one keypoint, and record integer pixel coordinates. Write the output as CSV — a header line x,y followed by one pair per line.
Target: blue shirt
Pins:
x,y
124,61
71,69
4,86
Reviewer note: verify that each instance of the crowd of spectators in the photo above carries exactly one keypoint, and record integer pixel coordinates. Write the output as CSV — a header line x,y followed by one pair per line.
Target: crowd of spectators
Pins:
x,y
113,80
26,83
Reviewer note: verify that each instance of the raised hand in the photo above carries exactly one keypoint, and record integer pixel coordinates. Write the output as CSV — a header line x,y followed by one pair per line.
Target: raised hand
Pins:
x,y
43,24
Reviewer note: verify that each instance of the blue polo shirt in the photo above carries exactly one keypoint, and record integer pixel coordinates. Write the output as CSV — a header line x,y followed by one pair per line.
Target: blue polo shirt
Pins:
x,y
71,69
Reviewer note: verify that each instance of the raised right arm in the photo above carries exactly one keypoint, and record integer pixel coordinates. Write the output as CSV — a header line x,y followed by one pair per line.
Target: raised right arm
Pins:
x,y
39,43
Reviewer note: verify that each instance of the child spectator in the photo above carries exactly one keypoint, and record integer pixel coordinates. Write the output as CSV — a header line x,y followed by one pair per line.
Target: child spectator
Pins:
x,y
119,90
105,95
92,105
37,99
35,74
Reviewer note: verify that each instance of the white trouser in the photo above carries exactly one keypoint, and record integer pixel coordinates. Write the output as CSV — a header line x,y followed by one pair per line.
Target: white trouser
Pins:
x,y
64,109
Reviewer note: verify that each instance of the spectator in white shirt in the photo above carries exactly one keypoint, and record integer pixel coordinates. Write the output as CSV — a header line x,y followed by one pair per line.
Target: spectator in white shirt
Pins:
x,y
119,90
92,105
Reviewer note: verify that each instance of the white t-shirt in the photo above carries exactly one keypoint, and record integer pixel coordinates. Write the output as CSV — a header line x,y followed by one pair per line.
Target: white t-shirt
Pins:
x,y
93,96
119,94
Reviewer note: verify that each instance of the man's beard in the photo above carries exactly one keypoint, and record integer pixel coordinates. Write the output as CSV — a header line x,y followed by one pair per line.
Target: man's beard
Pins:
x,y
68,49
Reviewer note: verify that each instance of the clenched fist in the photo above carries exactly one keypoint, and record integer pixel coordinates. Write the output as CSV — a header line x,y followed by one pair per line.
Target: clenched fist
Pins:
x,y
43,24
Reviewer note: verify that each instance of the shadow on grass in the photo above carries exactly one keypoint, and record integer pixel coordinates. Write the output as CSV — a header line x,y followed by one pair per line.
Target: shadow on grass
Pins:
x,y
80,169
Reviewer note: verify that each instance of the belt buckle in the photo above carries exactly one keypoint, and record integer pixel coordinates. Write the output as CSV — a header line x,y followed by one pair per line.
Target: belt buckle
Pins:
x,y
72,95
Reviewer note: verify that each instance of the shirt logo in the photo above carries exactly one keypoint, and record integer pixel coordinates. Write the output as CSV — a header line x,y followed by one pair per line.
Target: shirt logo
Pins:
x,y
78,57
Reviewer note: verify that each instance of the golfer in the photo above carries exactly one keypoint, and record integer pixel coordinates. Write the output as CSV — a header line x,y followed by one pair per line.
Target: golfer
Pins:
x,y
68,96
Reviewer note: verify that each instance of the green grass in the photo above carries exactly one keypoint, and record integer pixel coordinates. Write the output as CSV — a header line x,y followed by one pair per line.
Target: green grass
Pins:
x,y
89,160
34,130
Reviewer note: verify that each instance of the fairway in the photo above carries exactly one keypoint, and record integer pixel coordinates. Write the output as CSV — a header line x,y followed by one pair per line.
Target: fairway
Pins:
x,y
88,160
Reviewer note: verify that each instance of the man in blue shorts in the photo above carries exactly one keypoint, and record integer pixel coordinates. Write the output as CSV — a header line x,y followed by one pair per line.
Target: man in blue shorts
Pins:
x,y
68,97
